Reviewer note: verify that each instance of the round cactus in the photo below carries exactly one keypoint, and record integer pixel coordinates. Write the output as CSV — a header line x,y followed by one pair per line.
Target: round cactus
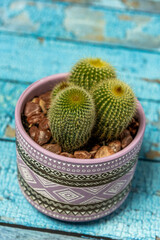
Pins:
x,y
72,117
59,87
115,105
90,71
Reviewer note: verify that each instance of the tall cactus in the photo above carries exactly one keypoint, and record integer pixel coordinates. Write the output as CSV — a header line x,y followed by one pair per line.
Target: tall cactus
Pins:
x,y
72,117
115,106
89,71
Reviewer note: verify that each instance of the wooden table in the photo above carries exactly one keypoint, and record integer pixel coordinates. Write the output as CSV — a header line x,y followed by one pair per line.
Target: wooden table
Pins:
x,y
43,37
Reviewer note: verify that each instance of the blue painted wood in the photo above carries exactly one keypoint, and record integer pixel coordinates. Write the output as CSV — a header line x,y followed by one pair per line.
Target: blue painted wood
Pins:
x,y
76,22
137,218
27,60
13,233
136,5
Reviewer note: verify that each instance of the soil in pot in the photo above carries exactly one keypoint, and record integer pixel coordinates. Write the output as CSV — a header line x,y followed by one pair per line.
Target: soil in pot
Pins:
x,y
35,122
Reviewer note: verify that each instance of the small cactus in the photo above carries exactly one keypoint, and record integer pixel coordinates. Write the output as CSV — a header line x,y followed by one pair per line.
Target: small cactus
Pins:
x,y
115,107
89,71
59,87
71,117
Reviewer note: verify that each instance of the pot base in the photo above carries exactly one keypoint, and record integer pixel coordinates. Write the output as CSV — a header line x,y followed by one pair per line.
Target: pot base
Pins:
x,y
68,213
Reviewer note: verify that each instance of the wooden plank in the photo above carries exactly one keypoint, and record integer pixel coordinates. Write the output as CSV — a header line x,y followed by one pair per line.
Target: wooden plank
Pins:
x,y
136,5
28,59
137,218
76,22
13,233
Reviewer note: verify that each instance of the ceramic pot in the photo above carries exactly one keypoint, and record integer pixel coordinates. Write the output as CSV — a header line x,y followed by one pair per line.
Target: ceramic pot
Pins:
x,y
72,189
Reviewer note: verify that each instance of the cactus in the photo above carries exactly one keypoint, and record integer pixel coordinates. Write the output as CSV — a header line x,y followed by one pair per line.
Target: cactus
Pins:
x,y
59,87
71,117
90,71
115,106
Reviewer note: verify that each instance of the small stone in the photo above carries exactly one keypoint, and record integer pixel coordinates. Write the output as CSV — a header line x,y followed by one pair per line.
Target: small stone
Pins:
x,y
126,141
82,154
104,151
35,119
124,134
115,145
93,153
42,104
134,123
33,131
44,124
46,97
35,100
31,109
66,154
133,131
42,137
95,148
55,148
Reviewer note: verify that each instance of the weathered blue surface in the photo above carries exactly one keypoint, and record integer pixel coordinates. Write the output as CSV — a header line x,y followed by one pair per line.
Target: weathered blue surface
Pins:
x,y
14,233
64,20
40,38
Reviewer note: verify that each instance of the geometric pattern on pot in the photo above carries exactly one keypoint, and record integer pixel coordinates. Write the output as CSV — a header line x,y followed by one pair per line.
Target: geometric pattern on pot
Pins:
x,y
74,195
72,179
70,209
76,168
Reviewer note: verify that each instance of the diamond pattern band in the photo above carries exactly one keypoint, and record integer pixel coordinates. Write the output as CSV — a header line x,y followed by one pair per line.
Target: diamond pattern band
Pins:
x,y
70,209
71,179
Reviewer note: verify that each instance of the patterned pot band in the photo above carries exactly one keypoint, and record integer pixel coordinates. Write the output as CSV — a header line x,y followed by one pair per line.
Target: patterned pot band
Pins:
x,y
72,179
70,209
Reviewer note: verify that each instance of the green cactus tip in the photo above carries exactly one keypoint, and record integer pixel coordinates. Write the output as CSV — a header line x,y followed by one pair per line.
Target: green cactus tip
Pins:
x,y
59,87
115,107
72,117
90,71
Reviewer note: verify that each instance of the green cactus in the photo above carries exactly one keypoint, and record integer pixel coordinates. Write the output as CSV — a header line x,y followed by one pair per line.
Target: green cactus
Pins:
x,y
115,107
90,71
72,117
59,87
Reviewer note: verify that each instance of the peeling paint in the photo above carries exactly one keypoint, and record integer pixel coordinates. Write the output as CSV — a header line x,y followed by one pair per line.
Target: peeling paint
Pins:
x,y
131,3
153,154
17,5
10,132
158,193
124,17
76,19
20,22
149,5
151,80
41,40
155,144
7,219
1,198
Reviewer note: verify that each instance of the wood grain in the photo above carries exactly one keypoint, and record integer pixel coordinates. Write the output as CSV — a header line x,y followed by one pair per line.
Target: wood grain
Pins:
x,y
63,20
136,5
13,232
137,218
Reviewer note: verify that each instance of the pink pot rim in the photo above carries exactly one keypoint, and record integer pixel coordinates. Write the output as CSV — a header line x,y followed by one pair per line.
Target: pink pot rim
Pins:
x,y
62,158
